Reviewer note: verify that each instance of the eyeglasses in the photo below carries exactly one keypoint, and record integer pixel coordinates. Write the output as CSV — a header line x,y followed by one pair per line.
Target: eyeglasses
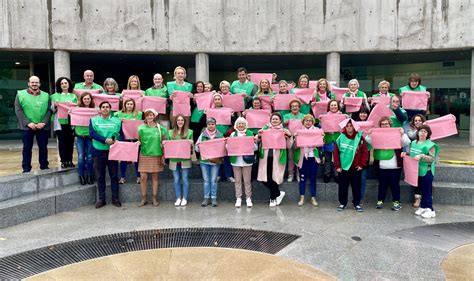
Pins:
x,y
423,132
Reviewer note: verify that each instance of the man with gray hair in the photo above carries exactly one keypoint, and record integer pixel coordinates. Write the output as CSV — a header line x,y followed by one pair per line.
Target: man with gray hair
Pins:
x,y
88,83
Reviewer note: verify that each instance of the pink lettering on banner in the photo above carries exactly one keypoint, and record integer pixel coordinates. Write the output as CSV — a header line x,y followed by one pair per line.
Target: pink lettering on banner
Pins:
x,y
257,118
81,116
157,103
236,102
352,104
132,94
385,100
222,115
239,146
257,77
63,109
378,112
410,170
212,149
309,138
319,108
305,95
339,92
273,139
282,102
442,127
130,128
124,151
266,102
294,125
79,93
386,138
113,100
330,122
415,100
203,100
180,149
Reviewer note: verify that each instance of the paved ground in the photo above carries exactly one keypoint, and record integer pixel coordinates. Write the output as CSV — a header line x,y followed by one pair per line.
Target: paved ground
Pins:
x,y
347,245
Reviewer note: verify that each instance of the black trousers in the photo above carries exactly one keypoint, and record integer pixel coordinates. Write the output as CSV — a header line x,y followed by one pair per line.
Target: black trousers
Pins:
x,y
270,183
65,142
353,178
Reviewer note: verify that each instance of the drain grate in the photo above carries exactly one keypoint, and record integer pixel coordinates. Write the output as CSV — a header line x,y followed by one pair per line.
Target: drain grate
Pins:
x,y
32,262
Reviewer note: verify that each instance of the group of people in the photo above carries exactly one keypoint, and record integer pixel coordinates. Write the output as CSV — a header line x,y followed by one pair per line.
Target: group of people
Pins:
x,y
344,155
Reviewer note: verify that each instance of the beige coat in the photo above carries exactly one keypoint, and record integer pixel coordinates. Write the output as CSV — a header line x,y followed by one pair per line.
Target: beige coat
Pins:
x,y
278,169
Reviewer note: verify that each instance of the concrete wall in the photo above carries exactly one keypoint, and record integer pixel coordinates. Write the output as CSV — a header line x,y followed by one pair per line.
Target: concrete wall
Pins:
x,y
236,26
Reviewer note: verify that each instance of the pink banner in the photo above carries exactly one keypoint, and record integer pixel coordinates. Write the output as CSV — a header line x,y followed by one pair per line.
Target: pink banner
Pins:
x,y
181,103
319,108
442,127
410,170
114,100
203,100
130,128
124,151
339,92
257,77
63,109
81,116
177,149
365,126
79,93
157,103
381,100
294,125
266,102
273,139
352,104
275,88
239,146
212,149
313,84
132,94
330,122
305,95
236,102
257,118
378,112
181,97
415,100
282,102
386,138
222,115
310,138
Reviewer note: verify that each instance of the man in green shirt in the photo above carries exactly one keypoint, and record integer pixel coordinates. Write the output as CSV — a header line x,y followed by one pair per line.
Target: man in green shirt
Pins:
x,y
32,108
243,85
88,83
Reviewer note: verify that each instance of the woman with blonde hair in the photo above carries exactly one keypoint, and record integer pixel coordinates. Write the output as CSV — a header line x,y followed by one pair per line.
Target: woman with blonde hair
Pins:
x,y
303,83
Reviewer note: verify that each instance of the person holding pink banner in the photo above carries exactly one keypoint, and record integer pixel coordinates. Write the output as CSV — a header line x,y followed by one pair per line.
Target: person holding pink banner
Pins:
x,y
294,114
179,84
384,86
198,121
180,167
243,85
323,91
264,88
256,105
307,159
354,92
414,84
389,164
62,128
283,90
104,131
151,136
84,145
272,162
128,112
210,167
329,141
362,116
425,151
350,157
88,83
111,87
242,165
415,124
303,83
158,89
399,115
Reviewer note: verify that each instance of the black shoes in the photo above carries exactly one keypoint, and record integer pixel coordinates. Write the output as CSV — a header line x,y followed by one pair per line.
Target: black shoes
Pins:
x,y
326,179
82,180
100,204
116,203
90,179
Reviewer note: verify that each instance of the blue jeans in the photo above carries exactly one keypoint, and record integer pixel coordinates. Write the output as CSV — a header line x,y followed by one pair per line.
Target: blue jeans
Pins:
x,y
426,185
363,182
308,171
209,176
84,156
123,169
42,141
183,174
227,168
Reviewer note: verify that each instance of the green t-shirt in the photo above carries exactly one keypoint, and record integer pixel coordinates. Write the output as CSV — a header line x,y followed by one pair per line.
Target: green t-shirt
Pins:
x,y
151,139
178,137
81,131
423,148
172,86
331,97
407,88
106,127
60,97
237,87
154,92
290,116
82,86
122,115
347,149
34,107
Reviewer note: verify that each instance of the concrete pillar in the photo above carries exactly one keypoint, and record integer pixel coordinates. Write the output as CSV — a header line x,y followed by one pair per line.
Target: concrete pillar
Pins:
x,y
202,67
333,66
471,125
62,64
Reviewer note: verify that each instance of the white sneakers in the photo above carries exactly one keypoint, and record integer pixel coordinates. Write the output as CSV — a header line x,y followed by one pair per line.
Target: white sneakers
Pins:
x,y
178,202
230,179
279,198
184,202
249,203
273,203
238,203
290,178
426,213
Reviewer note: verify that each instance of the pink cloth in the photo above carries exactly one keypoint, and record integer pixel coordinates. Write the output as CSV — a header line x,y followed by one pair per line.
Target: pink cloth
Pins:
x,y
124,151
236,102
313,84
365,126
282,102
319,108
330,122
410,170
266,102
339,92
442,127
177,149
181,103
63,109
214,148
309,138
386,138
257,118
81,116
222,115
239,146
257,77
275,88
415,100
273,139
79,93
305,95
114,100
381,100
203,100
157,103
130,128
294,125
132,94
352,104
378,112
